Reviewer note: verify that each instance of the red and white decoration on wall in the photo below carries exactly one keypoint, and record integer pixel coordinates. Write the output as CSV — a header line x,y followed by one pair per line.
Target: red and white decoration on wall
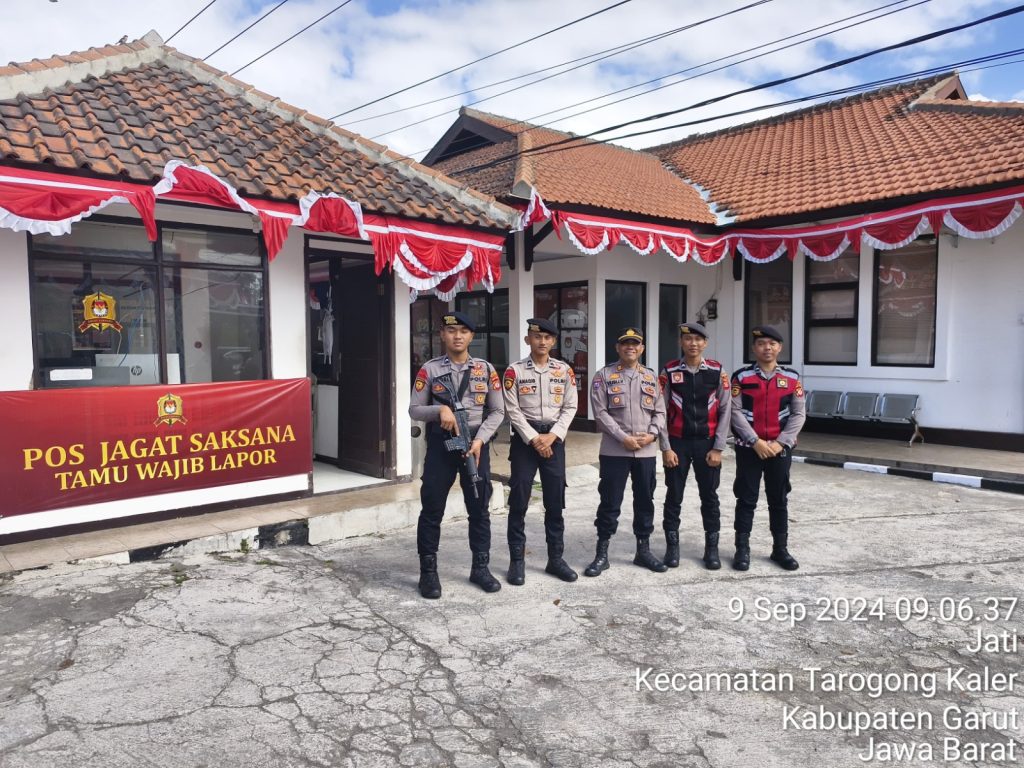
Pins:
x,y
427,257
979,216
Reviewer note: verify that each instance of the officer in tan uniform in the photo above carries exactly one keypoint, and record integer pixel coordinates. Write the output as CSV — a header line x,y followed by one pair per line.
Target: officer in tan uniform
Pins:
x,y
479,390
541,401
630,414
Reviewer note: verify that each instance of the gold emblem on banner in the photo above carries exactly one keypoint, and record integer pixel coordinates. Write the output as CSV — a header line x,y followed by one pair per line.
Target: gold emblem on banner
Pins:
x,y
100,311
170,410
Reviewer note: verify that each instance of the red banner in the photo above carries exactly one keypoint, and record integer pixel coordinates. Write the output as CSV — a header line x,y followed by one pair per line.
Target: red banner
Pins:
x,y
68,447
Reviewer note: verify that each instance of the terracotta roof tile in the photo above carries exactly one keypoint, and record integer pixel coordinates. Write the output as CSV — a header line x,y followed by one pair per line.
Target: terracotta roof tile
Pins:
x,y
581,172
892,143
131,121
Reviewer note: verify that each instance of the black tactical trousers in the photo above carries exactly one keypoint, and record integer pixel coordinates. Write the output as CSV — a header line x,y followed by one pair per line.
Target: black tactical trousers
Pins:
x,y
747,487
525,463
692,451
615,470
439,470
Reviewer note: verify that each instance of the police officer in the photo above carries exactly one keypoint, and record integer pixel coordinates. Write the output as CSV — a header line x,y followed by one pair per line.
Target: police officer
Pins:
x,y
767,415
480,391
541,401
697,400
630,415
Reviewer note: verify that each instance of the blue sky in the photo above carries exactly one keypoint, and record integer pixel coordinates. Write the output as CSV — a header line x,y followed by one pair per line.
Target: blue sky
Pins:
x,y
372,47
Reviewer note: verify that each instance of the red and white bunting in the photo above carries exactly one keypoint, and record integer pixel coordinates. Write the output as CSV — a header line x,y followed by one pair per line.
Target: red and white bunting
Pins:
x,y
425,256
978,216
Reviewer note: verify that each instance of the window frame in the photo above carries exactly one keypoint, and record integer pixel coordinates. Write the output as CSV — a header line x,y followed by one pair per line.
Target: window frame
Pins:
x,y
787,347
158,263
810,323
674,336
559,353
489,329
609,333
876,263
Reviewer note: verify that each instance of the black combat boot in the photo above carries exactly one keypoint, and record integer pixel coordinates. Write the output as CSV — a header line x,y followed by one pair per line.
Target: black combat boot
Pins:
x,y
481,574
781,555
741,561
557,566
516,566
430,585
645,558
600,560
672,549
711,561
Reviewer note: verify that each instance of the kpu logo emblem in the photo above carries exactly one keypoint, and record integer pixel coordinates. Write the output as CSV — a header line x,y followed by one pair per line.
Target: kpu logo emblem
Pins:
x,y
100,311
169,410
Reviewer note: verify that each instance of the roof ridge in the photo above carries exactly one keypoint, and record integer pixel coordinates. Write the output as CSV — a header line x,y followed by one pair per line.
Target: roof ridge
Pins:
x,y
797,113
151,49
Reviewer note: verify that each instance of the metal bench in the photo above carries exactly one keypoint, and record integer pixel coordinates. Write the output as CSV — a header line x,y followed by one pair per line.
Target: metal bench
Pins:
x,y
867,406
901,409
823,404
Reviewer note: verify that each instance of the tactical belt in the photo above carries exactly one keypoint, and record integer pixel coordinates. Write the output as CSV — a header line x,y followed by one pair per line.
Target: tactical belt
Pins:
x,y
540,427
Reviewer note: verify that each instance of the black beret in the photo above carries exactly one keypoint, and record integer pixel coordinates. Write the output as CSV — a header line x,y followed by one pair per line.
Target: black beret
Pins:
x,y
697,328
765,332
541,325
458,318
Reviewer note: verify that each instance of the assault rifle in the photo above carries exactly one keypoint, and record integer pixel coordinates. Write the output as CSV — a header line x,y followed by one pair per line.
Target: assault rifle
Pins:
x,y
461,442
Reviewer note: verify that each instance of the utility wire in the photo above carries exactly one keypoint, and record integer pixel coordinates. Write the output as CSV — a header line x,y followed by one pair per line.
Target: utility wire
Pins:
x,y
731,64
751,89
482,58
201,12
305,28
557,74
229,42
595,57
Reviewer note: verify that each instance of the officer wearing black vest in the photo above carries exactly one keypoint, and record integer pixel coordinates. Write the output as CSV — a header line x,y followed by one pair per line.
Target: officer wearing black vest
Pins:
x,y
480,391
768,413
697,401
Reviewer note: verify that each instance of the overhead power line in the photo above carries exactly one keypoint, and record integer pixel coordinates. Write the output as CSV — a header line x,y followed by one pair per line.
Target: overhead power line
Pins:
x,y
284,42
751,89
731,64
229,42
482,58
179,29
594,58
558,74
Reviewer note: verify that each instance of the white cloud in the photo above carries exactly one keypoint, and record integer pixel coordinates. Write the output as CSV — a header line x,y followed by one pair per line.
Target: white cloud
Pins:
x,y
364,51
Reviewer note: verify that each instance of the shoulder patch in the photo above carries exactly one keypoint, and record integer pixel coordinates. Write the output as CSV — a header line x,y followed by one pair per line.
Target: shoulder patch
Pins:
x,y
735,389
495,384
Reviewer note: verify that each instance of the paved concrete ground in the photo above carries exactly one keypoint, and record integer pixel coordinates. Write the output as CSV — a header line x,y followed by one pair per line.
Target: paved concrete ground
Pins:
x,y
325,656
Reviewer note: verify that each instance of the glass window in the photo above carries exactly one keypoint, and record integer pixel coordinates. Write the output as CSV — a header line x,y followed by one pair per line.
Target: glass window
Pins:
x,y
768,293
97,319
831,313
426,320
625,305
671,314
904,327
489,311
214,324
94,324
227,249
567,307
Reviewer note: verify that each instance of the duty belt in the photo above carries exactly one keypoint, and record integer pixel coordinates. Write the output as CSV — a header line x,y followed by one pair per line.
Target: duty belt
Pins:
x,y
540,427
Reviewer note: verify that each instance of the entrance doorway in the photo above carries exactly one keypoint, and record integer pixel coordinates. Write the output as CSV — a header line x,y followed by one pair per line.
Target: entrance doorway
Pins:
x,y
350,342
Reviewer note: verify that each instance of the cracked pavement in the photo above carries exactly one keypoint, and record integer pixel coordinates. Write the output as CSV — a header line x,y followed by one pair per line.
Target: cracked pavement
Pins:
x,y
326,656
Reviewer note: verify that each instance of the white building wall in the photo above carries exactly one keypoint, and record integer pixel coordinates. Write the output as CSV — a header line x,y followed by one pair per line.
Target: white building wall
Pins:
x,y
16,371
289,348
977,382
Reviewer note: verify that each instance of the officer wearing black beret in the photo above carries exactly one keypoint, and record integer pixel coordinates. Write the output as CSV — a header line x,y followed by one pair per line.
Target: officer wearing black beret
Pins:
x,y
697,402
541,401
479,391
768,412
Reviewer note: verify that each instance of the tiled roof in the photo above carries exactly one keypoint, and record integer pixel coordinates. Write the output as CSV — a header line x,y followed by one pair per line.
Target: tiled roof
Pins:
x,y
903,141
582,172
124,111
